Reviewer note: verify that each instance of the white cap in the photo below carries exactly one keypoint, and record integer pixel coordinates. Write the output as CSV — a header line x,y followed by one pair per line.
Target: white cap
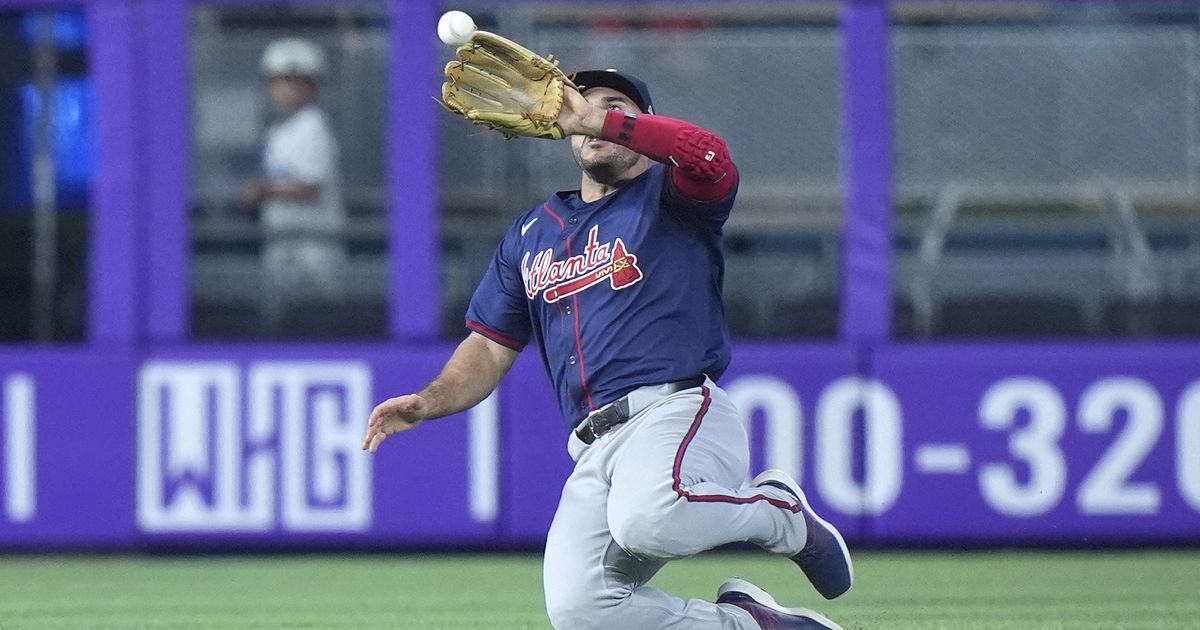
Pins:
x,y
293,57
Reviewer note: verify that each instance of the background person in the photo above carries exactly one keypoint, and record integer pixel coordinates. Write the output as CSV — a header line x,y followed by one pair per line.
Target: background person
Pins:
x,y
303,216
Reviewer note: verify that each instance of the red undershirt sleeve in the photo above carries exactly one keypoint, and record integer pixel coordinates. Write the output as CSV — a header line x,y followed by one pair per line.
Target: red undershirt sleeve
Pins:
x,y
701,168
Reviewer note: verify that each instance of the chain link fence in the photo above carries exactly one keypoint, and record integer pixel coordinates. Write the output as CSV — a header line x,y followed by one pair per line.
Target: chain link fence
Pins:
x,y
1048,177
1046,168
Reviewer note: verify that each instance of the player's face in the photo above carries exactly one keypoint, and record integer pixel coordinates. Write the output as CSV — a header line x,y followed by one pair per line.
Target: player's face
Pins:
x,y
289,94
604,161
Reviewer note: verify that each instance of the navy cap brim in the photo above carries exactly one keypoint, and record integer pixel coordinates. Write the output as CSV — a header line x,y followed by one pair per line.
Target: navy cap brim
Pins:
x,y
628,85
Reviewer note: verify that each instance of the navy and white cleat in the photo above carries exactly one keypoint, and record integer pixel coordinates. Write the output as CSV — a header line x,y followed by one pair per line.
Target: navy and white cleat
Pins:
x,y
767,613
825,559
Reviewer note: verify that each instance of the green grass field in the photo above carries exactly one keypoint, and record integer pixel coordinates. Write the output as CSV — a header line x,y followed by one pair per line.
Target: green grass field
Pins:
x,y
921,590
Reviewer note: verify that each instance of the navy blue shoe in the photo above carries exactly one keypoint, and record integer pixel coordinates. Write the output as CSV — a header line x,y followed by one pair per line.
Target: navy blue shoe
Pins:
x,y
767,613
825,559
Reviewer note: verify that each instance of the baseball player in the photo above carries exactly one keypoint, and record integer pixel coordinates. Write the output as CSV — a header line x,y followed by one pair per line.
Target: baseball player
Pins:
x,y
619,284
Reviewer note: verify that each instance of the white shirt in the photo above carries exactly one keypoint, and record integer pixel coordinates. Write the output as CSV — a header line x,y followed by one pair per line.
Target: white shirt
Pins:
x,y
301,147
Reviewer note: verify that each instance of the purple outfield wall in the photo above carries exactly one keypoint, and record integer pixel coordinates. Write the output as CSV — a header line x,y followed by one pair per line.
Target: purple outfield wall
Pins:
x,y
259,446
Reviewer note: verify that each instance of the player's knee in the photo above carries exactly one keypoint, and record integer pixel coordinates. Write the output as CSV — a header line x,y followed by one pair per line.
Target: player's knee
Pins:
x,y
572,608
565,612
569,603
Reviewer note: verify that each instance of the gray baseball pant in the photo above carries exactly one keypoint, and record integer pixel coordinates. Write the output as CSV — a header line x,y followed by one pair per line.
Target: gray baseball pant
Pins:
x,y
669,483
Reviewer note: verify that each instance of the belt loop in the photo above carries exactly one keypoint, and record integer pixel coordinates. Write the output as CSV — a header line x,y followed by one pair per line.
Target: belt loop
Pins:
x,y
622,408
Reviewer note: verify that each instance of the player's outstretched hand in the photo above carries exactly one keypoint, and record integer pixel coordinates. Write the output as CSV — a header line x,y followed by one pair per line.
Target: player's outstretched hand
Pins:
x,y
392,416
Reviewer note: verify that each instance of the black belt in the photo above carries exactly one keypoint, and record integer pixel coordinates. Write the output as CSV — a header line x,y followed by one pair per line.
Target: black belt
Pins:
x,y
614,415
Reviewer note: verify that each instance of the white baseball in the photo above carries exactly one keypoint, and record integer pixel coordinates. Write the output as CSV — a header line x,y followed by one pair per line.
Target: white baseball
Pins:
x,y
455,28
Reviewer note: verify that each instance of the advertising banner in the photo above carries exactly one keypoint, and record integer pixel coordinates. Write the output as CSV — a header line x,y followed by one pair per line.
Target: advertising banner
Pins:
x,y
258,446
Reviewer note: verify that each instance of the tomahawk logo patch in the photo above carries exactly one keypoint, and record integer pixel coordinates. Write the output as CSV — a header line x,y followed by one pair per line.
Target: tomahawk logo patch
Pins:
x,y
557,279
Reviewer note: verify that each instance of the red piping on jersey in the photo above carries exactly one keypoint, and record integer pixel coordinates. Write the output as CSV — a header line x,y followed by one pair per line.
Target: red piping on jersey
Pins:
x,y
684,493
579,347
587,392
562,224
511,344
579,340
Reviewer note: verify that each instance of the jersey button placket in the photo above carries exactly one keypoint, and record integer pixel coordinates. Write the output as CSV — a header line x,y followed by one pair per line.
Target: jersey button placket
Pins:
x,y
572,360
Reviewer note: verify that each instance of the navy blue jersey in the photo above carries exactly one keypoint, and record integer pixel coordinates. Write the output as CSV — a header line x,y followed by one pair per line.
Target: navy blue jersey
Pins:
x,y
621,292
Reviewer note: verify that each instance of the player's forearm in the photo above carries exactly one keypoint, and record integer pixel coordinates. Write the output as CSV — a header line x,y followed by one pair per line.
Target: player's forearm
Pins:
x,y
702,168
472,372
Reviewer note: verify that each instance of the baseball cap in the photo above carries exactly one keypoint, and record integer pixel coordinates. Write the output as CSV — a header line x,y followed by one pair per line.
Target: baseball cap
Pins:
x,y
626,84
293,57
